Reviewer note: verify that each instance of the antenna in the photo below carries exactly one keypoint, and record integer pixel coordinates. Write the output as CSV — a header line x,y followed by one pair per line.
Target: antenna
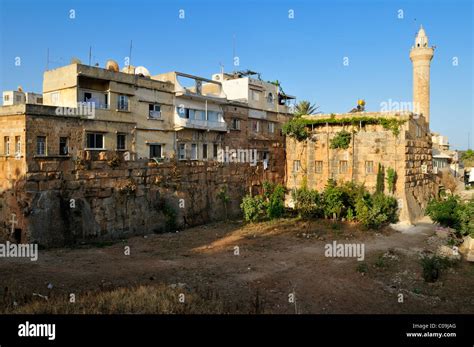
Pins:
x,y
130,54
222,68
90,55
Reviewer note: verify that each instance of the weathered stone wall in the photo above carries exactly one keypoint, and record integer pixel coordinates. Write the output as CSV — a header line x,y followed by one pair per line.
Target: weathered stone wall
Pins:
x,y
65,201
406,152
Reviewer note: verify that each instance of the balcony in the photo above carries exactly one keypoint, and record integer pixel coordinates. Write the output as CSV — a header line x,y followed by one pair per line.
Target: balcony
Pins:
x,y
200,124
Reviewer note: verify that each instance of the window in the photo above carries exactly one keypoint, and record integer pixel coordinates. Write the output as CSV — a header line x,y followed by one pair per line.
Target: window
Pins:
x,y
369,167
154,111
55,98
204,151
41,145
318,166
95,141
6,97
194,152
343,166
255,95
6,145
121,142
182,151
17,146
270,98
256,126
63,147
19,98
123,102
418,131
235,124
156,151
296,165
87,97
215,150
271,127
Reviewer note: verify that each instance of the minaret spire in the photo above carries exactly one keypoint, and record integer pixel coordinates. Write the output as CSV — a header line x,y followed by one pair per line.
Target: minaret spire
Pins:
x,y
421,55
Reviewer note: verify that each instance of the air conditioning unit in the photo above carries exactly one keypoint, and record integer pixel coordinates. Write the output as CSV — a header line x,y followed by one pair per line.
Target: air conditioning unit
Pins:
x,y
424,169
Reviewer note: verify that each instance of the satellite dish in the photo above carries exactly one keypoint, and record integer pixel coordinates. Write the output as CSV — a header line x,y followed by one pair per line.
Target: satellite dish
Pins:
x,y
129,69
142,71
20,89
75,60
112,65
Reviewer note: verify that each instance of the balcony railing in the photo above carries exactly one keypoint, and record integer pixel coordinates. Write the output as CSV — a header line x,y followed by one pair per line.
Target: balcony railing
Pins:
x,y
200,124
94,104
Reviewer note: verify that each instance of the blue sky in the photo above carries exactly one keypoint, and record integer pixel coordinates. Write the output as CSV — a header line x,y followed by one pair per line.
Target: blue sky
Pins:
x,y
304,53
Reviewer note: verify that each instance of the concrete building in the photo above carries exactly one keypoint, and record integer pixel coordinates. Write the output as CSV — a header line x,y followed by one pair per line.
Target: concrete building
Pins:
x,y
18,97
197,117
127,112
123,148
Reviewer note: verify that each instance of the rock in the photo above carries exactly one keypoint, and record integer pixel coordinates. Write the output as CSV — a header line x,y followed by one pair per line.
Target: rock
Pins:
x,y
467,248
442,233
448,252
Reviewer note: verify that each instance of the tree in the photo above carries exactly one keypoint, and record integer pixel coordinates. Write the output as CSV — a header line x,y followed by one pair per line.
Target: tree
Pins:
x,y
468,158
305,107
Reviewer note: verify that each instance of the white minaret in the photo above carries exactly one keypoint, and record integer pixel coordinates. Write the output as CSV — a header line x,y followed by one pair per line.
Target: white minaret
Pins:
x,y
421,55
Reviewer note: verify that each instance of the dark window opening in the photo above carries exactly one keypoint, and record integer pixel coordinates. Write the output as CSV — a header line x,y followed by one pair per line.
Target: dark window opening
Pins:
x,y
63,147
17,235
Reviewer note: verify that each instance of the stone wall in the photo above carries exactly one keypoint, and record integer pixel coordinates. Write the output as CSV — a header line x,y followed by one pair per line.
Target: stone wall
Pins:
x,y
370,146
65,201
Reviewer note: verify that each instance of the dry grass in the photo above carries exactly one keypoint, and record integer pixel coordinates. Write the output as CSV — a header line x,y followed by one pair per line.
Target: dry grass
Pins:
x,y
448,181
136,300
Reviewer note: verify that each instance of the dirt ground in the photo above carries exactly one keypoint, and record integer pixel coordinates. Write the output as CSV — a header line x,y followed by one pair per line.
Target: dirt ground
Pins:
x,y
274,260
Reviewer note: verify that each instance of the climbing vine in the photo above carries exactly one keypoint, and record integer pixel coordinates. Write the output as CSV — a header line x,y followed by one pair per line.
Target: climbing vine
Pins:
x,y
297,127
341,140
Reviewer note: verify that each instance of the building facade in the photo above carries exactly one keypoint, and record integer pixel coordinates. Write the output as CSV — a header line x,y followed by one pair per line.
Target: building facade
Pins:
x,y
378,141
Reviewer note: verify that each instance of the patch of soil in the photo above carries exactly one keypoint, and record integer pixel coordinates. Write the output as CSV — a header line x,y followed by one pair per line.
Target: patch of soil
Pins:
x,y
272,267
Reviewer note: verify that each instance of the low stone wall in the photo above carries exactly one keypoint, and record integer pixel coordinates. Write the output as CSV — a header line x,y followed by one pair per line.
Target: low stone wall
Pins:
x,y
68,201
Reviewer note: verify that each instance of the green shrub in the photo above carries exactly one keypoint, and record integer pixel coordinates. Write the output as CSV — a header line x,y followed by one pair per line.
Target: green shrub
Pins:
x,y
271,204
350,214
296,128
276,202
341,140
374,211
454,213
465,215
445,212
333,200
362,268
253,208
307,203
391,179
432,266
380,185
